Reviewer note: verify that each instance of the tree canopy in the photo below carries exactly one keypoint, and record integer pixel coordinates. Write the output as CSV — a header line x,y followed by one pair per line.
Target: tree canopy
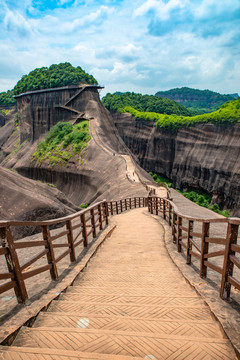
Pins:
x,y
6,98
197,101
229,113
143,103
55,76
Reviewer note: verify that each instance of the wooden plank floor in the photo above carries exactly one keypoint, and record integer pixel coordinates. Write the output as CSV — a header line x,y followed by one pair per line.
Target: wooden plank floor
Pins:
x,y
131,302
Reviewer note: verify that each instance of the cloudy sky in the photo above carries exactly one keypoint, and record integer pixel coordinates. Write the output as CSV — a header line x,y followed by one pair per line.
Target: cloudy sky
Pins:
x,y
141,45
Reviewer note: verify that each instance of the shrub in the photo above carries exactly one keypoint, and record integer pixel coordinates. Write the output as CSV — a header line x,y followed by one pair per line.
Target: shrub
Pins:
x,y
63,142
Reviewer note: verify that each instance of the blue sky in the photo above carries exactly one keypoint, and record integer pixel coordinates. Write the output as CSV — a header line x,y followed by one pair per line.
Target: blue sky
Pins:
x,y
141,45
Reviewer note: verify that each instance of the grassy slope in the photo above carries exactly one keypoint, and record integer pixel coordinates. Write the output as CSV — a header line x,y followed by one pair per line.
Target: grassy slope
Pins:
x,y
228,113
62,143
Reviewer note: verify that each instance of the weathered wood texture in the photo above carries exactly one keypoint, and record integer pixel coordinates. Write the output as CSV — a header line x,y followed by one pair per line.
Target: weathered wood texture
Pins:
x,y
77,228
130,301
74,230
193,235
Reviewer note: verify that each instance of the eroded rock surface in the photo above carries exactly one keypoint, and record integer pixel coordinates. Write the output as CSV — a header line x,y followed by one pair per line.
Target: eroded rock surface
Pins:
x,y
205,156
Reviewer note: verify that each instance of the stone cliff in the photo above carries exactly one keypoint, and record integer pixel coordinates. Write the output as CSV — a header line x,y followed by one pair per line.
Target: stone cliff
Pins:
x,y
100,174
205,156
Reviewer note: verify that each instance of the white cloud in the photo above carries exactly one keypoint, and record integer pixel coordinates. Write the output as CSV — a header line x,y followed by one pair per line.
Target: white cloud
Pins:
x,y
15,21
161,8
115,44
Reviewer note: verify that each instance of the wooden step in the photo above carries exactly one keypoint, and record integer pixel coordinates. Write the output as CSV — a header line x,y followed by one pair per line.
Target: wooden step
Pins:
x,y
135,300
164,285
140,311
207,328
87,289
133,278
24,353
126,343
139,271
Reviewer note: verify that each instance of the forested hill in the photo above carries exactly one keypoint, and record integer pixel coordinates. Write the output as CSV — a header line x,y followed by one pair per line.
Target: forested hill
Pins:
x,y
56,75
198,101
144,103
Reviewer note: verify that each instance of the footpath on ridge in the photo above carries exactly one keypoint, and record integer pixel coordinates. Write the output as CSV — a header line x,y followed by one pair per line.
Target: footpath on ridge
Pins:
x,y
130,301
130,167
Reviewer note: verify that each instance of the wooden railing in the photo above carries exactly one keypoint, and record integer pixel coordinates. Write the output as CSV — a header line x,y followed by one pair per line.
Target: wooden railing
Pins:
x,y
72,231
66,233
116,207
194,236
190,234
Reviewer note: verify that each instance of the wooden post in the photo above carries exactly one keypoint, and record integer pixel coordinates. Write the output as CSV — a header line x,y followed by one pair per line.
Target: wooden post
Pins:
x,y
117,207
70,240
50,253
92,211
156,205
111,207
130,199
169,213
232,233
125,204
100,216
151,205
135,202
179,233
204,248
174,227
14,266
121,206
84,229
106,214
189,244
164,209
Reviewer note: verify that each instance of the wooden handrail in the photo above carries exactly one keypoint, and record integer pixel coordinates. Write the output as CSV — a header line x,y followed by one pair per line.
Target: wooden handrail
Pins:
x,y
75,230
229,242
79,226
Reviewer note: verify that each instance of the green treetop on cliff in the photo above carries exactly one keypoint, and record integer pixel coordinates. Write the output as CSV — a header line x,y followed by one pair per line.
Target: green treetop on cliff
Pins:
x,y
56,75
59,75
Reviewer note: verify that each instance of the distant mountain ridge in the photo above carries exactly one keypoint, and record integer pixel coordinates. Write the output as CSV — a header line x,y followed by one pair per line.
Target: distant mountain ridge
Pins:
x,y
199,101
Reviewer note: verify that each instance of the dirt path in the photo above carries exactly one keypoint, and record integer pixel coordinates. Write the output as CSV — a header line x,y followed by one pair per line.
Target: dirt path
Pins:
x,y
130,167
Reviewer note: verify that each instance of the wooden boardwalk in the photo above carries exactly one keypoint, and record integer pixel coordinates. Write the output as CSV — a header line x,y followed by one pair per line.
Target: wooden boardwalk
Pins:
x,y
131,302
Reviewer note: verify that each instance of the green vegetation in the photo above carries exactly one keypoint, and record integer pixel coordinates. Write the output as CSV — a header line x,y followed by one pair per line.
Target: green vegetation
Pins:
x,y
55,76
203,199
49,184
197,101
4,112
62,143
6,98
229,113
84,206
199,197
159,179
143,103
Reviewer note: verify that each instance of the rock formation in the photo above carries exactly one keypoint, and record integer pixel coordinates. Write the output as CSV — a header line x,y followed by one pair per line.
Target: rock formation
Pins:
x,y
101,175
25,199
39,110
205,156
